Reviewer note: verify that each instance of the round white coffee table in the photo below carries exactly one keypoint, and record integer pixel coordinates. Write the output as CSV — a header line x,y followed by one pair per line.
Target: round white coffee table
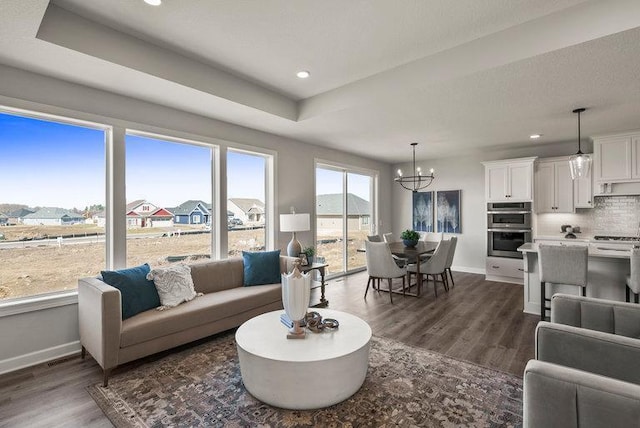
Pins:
x,y
321,370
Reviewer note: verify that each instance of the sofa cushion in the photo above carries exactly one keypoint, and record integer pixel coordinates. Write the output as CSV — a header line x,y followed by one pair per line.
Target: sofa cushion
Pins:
x,y
212,276
138,294
203,310
174,284
261,267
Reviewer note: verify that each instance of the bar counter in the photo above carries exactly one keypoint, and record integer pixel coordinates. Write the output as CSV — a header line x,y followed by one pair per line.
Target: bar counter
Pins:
x,y
606,277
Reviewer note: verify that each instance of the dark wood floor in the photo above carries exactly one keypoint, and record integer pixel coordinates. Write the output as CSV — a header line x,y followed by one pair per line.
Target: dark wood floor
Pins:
x,y
477,321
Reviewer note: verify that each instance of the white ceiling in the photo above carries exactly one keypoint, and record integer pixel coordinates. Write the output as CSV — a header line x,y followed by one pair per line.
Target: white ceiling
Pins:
x,y
454,76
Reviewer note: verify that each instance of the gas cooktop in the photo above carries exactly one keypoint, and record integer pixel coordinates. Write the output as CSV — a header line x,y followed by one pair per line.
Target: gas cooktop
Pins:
x,y
616,238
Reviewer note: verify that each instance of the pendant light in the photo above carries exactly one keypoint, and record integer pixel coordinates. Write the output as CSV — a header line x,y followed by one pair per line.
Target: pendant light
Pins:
x,y
417,181
579,164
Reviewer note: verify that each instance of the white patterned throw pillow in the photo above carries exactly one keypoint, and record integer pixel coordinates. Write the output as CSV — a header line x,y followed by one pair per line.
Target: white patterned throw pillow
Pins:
x,y
174,284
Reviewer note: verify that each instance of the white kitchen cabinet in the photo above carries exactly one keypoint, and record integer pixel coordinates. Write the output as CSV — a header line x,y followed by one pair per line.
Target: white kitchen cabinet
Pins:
x,y
583,192
554,188
503,269
635,160
509,180
615,159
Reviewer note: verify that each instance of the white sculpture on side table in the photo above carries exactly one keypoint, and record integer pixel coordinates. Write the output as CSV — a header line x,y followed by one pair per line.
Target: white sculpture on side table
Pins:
x,y
296,292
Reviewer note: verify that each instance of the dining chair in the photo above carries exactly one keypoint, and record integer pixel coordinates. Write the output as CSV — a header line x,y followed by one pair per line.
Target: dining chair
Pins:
x,y
381,265
400,261
450,254
434,267
377,238
561,264
431,236
633,280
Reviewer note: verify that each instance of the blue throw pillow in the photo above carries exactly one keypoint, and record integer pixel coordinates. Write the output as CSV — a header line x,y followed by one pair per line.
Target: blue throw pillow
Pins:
x,y
138,294
261,267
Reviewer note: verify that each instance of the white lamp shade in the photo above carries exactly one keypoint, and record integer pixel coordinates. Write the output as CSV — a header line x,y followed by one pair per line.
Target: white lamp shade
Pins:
x,y
294,222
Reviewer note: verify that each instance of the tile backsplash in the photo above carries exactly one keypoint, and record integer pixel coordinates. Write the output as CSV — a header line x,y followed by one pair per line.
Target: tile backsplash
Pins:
x,y
616,215
611,215
549,224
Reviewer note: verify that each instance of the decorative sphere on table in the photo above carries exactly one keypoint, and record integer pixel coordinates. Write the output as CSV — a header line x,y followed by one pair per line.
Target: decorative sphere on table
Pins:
x,y
296,292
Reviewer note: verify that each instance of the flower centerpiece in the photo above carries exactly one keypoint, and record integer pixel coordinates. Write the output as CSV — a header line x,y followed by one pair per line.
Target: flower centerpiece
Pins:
x,y
410,238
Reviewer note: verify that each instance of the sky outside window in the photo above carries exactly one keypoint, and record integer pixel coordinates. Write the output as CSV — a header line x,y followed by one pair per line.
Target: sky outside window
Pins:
x,y
50,164
67,156
167,173
328,182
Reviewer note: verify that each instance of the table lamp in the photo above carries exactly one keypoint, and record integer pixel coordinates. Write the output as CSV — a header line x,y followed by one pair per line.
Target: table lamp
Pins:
x,y
294,223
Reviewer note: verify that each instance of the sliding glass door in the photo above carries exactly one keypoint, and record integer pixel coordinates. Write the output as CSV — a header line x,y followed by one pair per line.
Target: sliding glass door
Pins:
x,y
345,215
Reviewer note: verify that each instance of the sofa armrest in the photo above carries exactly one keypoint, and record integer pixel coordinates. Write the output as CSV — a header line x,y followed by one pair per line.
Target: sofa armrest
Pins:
x,y
596,314
556,396
100,319
592,351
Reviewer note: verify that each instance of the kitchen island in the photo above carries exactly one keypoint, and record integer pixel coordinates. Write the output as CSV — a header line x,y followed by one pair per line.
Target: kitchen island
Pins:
x,y
606,278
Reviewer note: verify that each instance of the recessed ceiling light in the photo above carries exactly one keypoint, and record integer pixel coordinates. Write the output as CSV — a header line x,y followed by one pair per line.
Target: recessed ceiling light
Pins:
x,y
153,2
303,74
535,136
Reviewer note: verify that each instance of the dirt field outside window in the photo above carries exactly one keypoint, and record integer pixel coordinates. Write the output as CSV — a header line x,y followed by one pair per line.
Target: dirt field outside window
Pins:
x,y
31,267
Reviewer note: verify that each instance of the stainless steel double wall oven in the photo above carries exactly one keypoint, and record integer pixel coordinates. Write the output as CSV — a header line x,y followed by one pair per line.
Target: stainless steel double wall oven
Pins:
x,y
508,227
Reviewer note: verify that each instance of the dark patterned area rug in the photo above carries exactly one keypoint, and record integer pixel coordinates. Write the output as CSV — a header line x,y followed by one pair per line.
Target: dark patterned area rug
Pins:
x,y
405,386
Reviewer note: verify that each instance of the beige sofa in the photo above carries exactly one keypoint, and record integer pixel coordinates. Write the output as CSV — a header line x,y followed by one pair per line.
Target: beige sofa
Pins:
x,y
225,304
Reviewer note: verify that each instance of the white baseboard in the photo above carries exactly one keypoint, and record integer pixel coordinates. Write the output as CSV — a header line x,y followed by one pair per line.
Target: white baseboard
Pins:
x,y
38,357
507,279
480,271
532,308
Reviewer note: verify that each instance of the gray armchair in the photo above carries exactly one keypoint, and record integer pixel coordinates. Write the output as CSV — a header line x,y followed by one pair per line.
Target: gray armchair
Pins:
x,y
585,373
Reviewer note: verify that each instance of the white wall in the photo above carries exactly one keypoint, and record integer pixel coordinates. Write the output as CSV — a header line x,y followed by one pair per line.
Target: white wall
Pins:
x,y
44,332
466,173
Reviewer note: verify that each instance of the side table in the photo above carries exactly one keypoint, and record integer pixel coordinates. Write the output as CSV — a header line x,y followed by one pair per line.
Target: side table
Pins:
x,y
320,267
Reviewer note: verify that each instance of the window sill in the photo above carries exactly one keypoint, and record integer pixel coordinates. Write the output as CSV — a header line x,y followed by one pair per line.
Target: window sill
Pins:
x,y
38,303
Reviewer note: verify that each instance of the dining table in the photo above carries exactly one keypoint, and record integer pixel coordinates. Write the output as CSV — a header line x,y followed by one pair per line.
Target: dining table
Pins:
x,y
412,255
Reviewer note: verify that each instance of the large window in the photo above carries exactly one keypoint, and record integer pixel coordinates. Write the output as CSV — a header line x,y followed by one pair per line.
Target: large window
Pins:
x,y
344,215
56,227
169,200
247,204
52,201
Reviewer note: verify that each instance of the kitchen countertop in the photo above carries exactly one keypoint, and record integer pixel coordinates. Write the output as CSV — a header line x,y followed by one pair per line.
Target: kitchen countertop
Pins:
x,y
533,248
561,237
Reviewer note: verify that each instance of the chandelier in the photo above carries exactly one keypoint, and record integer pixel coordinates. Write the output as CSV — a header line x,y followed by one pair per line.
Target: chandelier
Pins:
x,y
579,163
417,181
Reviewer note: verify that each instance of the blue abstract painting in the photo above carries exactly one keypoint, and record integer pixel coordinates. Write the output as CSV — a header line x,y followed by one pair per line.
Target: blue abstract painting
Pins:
x,y
448,211
423,211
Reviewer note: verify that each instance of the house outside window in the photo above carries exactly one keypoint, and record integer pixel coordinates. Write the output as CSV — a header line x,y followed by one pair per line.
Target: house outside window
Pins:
x,y
345,203
178,160
249,186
